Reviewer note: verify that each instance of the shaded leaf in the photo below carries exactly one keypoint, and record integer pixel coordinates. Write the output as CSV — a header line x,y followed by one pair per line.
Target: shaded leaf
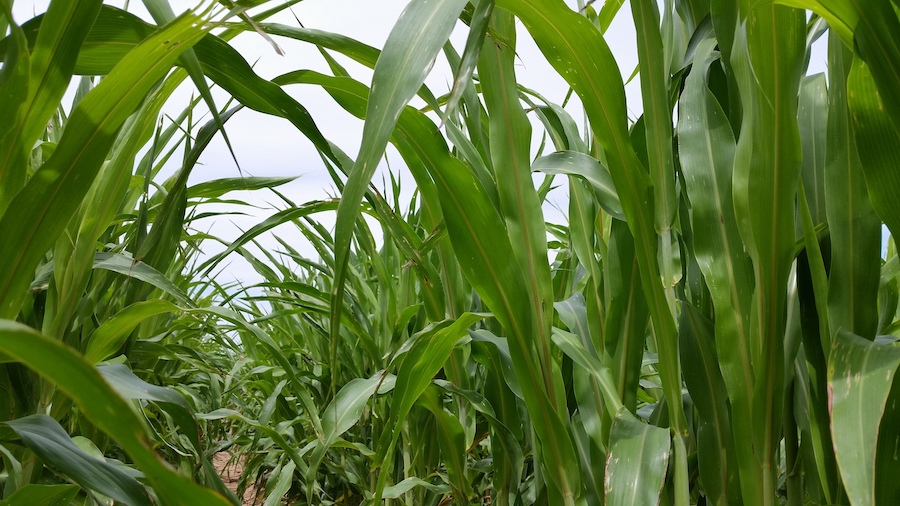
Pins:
x,y
47,439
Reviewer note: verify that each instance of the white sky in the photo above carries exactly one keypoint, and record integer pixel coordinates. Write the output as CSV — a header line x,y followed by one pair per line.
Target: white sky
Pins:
x,y
268,146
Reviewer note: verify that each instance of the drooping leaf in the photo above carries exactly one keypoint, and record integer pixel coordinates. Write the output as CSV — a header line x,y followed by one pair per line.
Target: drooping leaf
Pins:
x,y
43,208
111,335
218,187
587,167
102,406
47,439
51,64
402,67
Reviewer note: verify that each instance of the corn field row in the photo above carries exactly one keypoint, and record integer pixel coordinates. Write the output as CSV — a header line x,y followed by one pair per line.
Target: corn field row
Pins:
x,y
715,322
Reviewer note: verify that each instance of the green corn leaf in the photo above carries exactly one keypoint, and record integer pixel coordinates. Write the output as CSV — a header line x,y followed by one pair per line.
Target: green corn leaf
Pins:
x,y
14,79
452,441
162,12
47,439
423,361
130,386
500,359
158,248
766,172
284,476
268,407
345,410
608,13
657,111
138,270
289,449
863,402
351,48
468,213
45,205
401,69
877,40
117,31
48,495
583,237
285,216
510,134
507,453
706,149
636,466
715,442
111,335
812,117
400,489
266,340
52,62
566,39
573,313
478,28
103,201
588,168
219,187
872,29
877,143
811,376
853,225
570,345
175,405
627,315
588,389
102,406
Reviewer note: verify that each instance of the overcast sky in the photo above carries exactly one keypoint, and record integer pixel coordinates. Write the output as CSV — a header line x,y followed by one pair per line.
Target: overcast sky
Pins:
x,y
268,146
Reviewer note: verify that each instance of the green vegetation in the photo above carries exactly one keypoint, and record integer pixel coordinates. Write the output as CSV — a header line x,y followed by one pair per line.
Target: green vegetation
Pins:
x,y
715,323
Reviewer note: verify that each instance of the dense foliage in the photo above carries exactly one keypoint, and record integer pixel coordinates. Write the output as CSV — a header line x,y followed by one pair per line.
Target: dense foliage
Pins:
x,y
715,323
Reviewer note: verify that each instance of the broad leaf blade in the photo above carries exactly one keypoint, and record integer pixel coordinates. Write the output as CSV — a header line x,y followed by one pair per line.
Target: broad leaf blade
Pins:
x,y
573,163
47,439
636,466
853,225
102,406
111,335
43,208
860,378
402,67
47,495
877,142
51,64
14,79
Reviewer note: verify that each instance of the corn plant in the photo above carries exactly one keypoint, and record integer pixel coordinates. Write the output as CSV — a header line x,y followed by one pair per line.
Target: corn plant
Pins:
x,y
714,323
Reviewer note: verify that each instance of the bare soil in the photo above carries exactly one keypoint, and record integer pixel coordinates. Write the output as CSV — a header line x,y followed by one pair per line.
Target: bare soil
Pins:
x,y
231,473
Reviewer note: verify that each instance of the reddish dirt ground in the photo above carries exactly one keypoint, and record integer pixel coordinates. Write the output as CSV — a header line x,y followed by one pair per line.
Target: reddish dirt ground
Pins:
x,y
230,474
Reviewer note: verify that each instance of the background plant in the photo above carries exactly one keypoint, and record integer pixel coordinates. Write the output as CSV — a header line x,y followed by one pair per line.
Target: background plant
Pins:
x,y
714,323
